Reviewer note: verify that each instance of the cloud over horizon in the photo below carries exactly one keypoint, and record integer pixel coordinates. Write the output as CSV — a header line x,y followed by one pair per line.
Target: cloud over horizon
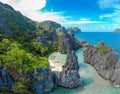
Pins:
x,y
87,14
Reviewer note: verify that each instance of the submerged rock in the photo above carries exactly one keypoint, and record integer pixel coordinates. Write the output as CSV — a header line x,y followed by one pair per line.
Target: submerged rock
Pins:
x,y
69,76
105,61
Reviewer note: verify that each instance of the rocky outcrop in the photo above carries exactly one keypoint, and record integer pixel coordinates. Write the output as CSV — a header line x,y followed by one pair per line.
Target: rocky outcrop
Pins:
x,y
52,36
105,61
71,62
44,80
69,76
84,43
5,79
41,80
42,40
50,25
46,37
74,30
68,43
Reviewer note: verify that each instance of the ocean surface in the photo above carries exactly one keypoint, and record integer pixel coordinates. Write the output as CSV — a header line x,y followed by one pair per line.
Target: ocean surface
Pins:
x,y
109,38
92,82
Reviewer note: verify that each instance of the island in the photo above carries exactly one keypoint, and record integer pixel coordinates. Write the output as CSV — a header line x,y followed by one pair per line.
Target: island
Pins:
x,y
117,30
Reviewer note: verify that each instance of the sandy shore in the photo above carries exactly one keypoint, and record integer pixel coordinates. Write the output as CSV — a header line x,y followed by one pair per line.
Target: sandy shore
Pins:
x,y
54,64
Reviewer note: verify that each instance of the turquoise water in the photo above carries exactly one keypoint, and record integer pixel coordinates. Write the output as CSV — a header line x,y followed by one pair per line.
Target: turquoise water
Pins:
x,y
93,83
110,38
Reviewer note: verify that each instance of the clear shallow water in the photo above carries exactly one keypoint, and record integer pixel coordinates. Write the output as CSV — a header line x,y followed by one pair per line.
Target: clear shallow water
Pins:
x,y
93,83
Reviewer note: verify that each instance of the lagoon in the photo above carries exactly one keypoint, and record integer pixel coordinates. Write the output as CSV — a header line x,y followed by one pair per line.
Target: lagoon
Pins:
x,y
93,83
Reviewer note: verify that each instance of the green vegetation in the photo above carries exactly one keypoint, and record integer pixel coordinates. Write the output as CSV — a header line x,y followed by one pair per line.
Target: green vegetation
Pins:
x,y
19,52
18,57
103,48
20,88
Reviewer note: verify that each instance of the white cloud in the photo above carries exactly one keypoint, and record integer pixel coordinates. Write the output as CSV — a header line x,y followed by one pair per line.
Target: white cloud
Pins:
x,y
26,5
113,17
83,22
106,16
109,4
40,16
31,9
84,19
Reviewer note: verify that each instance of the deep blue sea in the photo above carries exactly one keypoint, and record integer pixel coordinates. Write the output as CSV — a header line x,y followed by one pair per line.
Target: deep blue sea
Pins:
x,y
109,38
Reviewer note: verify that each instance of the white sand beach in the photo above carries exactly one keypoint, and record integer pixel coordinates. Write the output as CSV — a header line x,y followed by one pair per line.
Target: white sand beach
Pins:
x,y
54,63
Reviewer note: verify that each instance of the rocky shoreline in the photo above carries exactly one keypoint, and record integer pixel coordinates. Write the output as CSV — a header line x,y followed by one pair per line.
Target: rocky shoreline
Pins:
x,y
105,60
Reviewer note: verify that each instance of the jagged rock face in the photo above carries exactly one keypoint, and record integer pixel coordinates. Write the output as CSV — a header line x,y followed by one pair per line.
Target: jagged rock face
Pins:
x,y
52,25
106,63
68,79
42,40
45,38
71,62
116,74
5,79
42,80
44,83
68,43
69,76
52,36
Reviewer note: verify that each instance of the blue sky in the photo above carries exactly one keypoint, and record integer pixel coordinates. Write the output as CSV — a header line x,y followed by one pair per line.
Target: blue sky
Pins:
x,y
89,15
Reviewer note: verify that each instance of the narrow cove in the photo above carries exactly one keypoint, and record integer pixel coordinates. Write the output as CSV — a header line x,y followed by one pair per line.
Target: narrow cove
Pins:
x,y
93,83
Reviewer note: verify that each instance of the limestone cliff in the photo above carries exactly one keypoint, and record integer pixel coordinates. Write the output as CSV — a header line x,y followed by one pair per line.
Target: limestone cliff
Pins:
x,y
69,76
105,61
68,43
